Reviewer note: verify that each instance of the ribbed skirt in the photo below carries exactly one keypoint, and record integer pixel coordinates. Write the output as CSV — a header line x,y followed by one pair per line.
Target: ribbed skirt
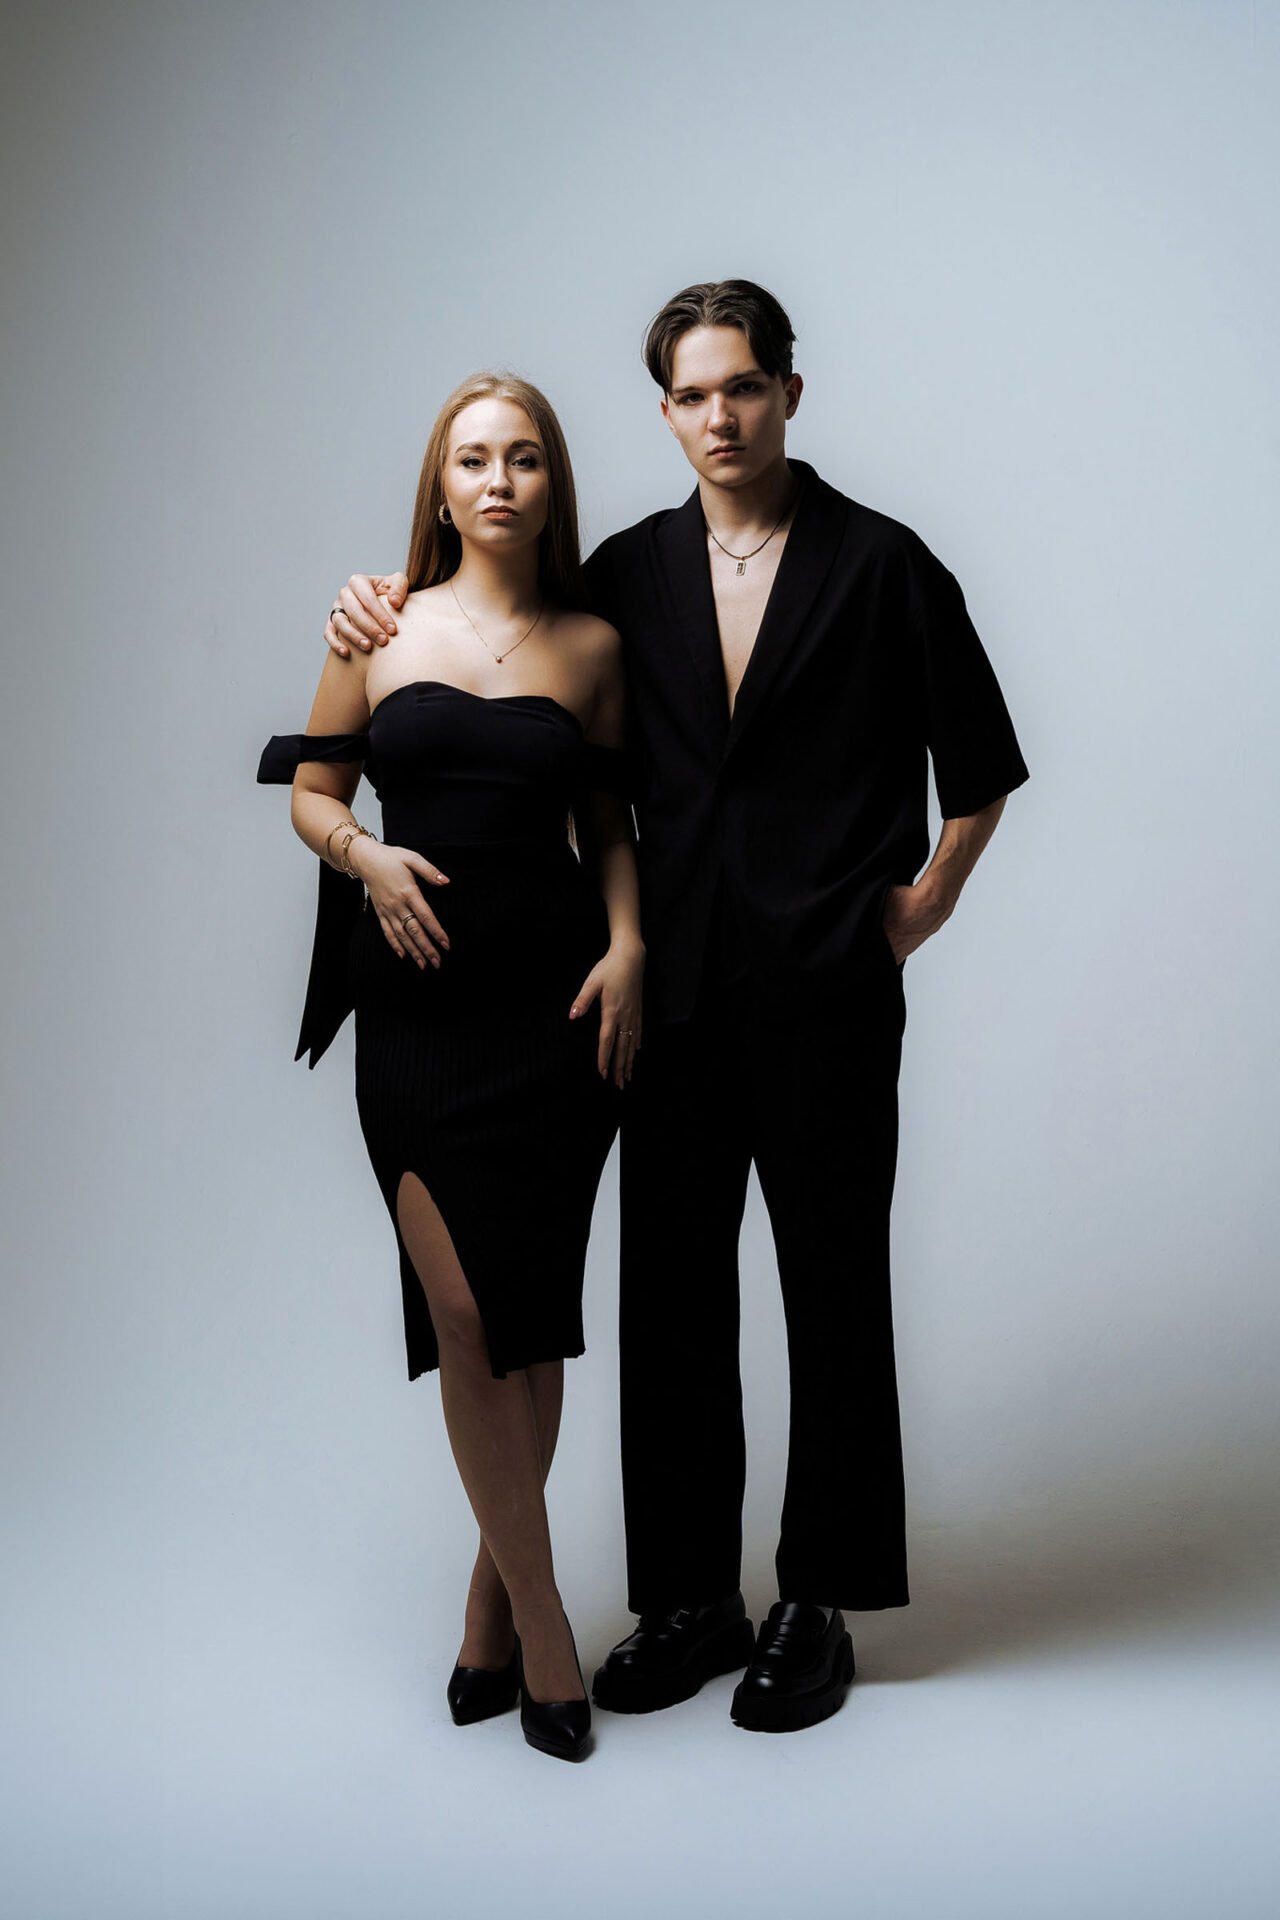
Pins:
x,y
476,1080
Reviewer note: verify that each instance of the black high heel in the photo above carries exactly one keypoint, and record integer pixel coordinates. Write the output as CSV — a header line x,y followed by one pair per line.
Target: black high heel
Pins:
x,y
477,1693
561,1728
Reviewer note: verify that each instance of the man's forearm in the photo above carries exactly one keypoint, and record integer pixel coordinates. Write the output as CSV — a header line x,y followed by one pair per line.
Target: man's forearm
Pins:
x,y
956,855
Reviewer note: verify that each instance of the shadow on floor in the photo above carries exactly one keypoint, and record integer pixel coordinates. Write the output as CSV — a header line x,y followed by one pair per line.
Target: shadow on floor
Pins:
x,y
1134,1562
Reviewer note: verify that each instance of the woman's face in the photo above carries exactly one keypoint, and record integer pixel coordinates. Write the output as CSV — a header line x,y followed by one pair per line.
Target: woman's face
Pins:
x,y
495,475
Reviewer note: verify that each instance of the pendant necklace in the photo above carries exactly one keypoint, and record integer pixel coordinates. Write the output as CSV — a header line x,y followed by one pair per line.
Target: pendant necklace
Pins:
x,y
742,558
499,657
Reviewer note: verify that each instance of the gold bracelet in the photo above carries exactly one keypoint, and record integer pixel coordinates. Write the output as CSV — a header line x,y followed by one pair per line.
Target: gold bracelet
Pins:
x,y
328,849
344,853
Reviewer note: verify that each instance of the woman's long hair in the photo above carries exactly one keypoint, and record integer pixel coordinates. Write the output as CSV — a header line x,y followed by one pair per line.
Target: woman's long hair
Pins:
x,y
435,550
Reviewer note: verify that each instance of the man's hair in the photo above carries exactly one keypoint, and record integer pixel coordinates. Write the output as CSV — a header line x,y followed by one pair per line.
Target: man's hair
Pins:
x,y
721,303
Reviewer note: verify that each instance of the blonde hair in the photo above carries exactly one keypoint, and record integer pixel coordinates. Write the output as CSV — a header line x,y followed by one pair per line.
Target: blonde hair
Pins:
x,y
435,550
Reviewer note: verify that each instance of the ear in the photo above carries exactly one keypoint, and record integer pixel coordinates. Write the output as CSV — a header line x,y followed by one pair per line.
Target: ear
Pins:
x,y
793,388
666,411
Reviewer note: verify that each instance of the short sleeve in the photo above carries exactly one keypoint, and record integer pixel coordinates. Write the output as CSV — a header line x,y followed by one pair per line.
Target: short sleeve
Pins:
x,y
967,728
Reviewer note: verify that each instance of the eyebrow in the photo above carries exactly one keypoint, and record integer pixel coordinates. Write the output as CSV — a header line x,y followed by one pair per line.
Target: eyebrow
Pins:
x,y
744,373
479,446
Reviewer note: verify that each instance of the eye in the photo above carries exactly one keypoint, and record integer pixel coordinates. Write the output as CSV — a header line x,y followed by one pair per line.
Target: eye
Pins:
x,y
689,399
527,460
472,460
748,386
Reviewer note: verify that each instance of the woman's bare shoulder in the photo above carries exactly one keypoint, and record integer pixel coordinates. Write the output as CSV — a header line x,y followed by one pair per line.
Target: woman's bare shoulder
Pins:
x,y
589,636
341,704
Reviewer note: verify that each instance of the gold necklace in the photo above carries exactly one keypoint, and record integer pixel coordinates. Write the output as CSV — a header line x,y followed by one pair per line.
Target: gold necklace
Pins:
x,y
742,558
499,657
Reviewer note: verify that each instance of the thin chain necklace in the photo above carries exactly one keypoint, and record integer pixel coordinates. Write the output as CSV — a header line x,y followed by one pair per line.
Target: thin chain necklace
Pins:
x,y
742,558
499,657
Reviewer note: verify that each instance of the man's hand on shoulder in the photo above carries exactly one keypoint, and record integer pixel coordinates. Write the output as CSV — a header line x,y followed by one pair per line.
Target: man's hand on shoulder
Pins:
x,y
363,615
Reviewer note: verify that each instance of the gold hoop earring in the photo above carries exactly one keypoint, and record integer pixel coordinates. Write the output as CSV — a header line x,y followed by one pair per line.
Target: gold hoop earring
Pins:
x,y
445,517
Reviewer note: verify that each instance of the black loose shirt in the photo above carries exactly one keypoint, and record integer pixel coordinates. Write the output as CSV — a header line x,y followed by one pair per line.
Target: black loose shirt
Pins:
x,y
811,800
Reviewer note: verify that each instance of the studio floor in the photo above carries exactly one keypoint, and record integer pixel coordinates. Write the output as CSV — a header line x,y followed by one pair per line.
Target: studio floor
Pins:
x,y
1063,1723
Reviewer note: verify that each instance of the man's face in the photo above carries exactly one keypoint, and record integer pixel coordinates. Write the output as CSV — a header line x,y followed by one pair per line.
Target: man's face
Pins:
x,y
727,414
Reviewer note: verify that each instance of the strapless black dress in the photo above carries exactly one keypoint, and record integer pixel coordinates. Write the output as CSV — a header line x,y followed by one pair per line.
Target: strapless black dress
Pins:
x,y
474,1077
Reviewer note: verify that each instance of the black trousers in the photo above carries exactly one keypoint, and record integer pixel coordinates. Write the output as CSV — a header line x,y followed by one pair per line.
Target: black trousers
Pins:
x,y
810,1095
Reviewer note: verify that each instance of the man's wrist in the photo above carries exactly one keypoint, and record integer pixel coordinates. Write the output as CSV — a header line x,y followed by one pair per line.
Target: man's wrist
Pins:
x,y
937,893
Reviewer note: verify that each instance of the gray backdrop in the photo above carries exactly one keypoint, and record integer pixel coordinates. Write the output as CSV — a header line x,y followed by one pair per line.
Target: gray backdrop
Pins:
x,y
1030,253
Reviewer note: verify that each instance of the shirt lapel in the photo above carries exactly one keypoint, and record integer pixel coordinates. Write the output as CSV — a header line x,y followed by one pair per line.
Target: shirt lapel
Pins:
x,y
811,547
686,581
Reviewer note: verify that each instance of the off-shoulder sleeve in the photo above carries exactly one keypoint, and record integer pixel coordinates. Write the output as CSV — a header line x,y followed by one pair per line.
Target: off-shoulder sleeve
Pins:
x,y
606,771
285,752
339,900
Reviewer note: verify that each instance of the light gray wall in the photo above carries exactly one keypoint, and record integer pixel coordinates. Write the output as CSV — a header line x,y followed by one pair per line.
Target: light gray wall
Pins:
x,y
1030,253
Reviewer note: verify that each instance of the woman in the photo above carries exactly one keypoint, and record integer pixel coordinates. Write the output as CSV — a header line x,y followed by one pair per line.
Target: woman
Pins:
x,y
496,978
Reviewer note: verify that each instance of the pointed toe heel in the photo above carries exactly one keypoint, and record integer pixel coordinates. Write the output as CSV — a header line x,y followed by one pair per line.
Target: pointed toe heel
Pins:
x,y
478,1693
561,1728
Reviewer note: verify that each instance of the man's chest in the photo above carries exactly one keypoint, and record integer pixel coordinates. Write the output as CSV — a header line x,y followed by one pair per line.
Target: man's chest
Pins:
x,y
740,594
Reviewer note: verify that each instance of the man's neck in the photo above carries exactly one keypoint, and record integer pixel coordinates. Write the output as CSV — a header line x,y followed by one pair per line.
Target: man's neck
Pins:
x,y
735,513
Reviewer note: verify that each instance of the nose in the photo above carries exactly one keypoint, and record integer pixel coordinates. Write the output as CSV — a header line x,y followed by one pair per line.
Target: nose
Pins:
x,y
499,483
721,415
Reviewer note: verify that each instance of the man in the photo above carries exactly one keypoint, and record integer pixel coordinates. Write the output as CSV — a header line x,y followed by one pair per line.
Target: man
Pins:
x,y
793,660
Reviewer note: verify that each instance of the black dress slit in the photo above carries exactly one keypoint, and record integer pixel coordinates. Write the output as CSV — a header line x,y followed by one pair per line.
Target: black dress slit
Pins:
x,y
474,1078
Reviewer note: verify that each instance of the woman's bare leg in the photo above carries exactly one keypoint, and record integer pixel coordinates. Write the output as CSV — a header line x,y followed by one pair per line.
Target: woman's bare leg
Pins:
x,y
494,1436
488,1635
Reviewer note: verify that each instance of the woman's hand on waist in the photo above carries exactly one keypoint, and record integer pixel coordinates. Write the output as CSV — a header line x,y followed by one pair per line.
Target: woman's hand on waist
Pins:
x,y
392,876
